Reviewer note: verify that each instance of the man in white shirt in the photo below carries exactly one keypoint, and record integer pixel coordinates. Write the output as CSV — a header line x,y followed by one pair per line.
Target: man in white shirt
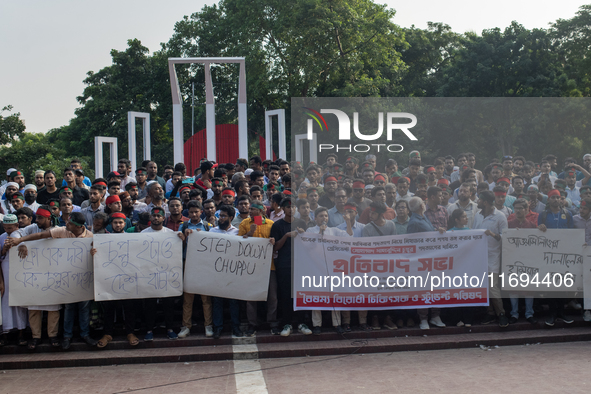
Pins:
x,y
494,222
157,216
226,215
465,203
224,226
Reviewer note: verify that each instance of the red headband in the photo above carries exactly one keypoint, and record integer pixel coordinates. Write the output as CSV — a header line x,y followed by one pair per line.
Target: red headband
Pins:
x,y
500,193
503,180
430,169
358,185
112,199
352,207
287,192
118,215
186,187
230,192
379,176
330,179
43,212
553,192
101,184
443,181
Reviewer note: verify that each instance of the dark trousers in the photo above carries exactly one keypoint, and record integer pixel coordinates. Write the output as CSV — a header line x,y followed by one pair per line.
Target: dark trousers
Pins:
x,y
284,297
110,310
150,306
218,312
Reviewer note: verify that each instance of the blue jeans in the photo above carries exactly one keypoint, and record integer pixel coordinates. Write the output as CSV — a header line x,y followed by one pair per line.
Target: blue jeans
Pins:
x,y
218,312
83,308
529,307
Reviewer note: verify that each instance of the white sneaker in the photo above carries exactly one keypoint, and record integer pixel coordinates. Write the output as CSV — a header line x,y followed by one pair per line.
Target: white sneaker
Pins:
x,y
460,324
184,332
424,325
287,329
587,315
209,331
303,329
436,321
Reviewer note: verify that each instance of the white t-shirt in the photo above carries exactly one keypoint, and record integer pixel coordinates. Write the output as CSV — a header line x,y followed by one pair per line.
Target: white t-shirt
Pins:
x,y
163,230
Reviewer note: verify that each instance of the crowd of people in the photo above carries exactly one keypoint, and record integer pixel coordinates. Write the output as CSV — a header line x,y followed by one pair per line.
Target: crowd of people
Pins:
x,y
278,200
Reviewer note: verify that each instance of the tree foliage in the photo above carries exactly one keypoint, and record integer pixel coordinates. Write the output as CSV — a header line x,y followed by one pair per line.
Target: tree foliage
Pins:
x,y
11,126
33,151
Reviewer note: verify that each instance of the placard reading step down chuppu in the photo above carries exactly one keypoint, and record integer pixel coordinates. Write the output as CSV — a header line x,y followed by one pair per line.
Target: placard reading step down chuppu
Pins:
x,y
137,265
228,266
55,271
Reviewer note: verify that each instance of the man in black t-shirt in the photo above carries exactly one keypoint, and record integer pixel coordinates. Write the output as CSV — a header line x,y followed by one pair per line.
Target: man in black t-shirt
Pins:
x,y
283,234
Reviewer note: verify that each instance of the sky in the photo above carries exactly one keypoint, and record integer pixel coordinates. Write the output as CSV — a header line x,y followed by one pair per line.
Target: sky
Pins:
x,y
49,46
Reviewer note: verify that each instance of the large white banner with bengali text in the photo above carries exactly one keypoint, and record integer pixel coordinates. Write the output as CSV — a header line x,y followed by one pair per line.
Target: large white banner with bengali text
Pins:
x,y
228,266
55,271
138,265
411,271
542,262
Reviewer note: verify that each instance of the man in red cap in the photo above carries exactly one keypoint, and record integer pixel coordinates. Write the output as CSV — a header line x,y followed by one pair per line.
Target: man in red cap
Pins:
x,y
328,198
500,197
379,180
431,176
359,195
351,165
505,184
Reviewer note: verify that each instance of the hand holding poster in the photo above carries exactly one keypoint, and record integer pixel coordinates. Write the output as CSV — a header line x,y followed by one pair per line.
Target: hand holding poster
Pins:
x,y
55,271
394,272
228,266
536,261
137,265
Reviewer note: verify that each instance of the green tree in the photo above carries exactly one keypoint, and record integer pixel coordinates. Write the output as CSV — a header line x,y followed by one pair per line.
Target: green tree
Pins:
x,y
34,151
11,126
572,40
136,81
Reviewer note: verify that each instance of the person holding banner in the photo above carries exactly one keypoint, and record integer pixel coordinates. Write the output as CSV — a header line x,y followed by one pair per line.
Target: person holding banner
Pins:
x,y
521,207
555,217
583,220
282,232
321,218
157,216
259,226
195,224
226,214
110,307
75,228
44,222
494,222
419,223
12,316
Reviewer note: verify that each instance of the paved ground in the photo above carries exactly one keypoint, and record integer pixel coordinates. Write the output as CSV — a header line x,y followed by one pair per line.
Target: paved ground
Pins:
x,y
518,369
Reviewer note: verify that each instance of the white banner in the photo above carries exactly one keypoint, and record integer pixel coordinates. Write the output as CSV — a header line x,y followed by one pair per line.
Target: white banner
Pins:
x,y
228,266
394,272
137,265
55,271
536,261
